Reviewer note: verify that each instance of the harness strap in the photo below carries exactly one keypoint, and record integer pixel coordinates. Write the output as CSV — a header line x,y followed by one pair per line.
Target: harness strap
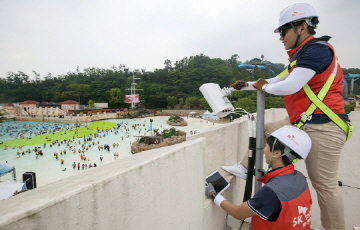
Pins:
x,y
317,102
345,126
323,39
286,70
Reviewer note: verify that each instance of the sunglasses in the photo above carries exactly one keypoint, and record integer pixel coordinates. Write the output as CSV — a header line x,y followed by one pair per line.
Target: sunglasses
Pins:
x,y
284,30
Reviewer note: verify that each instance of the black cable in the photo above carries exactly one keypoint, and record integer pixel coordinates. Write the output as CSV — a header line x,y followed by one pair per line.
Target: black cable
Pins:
x,y
341,184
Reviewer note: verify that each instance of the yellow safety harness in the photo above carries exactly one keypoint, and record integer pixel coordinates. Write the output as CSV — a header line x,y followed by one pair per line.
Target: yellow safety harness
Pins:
x,y
317,102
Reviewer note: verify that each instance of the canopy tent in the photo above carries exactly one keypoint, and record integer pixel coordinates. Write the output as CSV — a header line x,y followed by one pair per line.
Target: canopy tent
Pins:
x,y
5,168
192,114
206,114
214,117
8,188
210,116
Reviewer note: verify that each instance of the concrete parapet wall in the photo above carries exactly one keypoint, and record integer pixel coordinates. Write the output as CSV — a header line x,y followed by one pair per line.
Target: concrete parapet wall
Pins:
x,y
149,190
159,189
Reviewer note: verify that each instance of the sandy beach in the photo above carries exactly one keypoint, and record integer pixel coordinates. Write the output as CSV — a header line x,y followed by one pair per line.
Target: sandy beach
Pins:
x,y
49,167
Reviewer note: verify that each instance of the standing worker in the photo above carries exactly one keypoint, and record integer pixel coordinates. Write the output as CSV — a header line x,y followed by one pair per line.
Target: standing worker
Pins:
x,y
312,87
284,202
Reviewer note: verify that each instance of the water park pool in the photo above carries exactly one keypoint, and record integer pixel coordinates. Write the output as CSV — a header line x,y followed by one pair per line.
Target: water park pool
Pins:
x,y
26,129
48,167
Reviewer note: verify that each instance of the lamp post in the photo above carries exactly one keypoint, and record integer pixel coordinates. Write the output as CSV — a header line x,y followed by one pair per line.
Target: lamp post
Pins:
x,y
151,120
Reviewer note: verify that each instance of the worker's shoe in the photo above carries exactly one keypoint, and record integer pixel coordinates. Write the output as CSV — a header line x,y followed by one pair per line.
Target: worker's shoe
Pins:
x,y
237,169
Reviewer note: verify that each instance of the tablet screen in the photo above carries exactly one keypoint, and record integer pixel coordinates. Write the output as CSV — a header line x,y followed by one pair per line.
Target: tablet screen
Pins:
x,y
218,181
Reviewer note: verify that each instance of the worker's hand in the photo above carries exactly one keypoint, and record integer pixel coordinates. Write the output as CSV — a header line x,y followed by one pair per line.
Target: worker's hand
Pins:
x,y
259,84
239,84
209,190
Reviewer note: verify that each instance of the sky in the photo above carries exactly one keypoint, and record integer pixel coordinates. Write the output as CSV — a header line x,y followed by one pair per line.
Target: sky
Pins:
x,y
59,36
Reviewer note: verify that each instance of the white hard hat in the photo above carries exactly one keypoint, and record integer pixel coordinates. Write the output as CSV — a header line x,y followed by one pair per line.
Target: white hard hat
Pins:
x,y
294,138
296,12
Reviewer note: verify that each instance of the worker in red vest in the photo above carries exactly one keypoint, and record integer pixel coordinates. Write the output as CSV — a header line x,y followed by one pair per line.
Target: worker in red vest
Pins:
x,y
284,202
311,86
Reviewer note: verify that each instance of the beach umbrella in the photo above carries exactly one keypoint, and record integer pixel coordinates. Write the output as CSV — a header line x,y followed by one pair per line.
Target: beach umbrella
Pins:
x,y
192,113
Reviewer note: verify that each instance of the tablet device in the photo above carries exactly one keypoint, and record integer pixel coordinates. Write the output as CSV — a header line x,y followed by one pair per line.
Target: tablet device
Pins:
x,y
218,181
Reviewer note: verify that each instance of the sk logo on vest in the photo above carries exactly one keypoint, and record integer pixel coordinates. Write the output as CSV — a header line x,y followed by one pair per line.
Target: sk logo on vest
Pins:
x,y
303,218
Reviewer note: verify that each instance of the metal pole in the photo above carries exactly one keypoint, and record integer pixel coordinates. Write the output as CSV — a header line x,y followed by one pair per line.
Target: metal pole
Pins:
x,y
260,110
14,175
151,120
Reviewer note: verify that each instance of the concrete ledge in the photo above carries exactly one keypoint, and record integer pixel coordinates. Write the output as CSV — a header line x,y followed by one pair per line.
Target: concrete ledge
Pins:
x,y
139,192
162,188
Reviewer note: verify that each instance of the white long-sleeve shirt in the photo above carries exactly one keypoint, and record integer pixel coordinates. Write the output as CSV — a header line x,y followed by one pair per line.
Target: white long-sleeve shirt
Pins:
x,y
290,83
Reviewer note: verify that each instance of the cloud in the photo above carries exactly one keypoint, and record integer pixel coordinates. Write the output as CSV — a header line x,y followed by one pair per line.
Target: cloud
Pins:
x,y
57,36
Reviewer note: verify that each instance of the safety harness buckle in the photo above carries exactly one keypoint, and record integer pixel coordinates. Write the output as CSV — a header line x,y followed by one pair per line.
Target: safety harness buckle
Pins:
x,y
306,116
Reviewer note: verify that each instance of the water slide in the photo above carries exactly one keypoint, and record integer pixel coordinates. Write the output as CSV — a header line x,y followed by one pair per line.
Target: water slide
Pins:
x,y
262,66
266,64
352,78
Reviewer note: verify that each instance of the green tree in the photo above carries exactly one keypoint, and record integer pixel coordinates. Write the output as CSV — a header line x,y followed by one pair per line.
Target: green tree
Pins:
x,y
246,103
203,103
192,101
91,103
180,79
77,92
168,64
274,102
181,101
233,61
115,97
349,108
171,101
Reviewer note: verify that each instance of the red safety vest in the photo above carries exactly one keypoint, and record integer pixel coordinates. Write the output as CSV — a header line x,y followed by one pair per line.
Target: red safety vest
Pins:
x,y
292,189
298,102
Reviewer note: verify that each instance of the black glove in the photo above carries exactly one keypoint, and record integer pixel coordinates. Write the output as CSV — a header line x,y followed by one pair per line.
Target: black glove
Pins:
x,y
239,84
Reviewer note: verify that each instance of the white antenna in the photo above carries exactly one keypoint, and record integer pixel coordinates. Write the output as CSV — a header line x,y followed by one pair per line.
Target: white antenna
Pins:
x,y
134,98
217,98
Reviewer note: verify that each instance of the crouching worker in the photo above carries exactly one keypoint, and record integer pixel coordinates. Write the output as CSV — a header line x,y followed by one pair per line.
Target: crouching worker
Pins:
x,y
284,202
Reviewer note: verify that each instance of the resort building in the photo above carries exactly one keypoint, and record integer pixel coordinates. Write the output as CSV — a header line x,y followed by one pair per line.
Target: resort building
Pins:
x,y
70,105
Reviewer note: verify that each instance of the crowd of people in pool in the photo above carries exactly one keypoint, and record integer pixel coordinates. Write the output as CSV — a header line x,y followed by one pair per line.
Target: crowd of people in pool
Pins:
x,y
24,129
56,153
74,145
